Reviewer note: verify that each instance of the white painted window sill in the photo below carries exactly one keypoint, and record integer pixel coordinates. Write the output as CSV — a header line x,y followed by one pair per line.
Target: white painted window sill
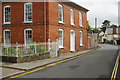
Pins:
x,y
7,23
81,26
28,22
61,47
60,22
81,45
72,24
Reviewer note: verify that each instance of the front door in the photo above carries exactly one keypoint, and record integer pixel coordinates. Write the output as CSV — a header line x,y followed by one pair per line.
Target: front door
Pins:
x,y
72,40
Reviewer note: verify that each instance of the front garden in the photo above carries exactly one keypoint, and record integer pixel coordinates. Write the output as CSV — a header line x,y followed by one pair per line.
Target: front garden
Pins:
x,y
24,53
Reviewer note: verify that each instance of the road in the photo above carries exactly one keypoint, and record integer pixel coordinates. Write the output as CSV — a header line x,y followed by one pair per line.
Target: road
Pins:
x,y
99,64
118,73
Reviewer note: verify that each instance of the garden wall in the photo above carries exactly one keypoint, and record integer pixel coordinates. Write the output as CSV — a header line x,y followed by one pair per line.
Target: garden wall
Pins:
x,y
28,58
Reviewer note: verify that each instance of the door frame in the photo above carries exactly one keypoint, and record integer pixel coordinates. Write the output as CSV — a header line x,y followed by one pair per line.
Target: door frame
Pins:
x,y
71,43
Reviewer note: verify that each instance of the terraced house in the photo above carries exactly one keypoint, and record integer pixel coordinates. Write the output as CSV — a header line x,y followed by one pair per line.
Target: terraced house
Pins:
x,y
25,22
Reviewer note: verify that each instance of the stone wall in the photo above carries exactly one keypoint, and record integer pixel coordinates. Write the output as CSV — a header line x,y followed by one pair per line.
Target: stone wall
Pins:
x,y
29,58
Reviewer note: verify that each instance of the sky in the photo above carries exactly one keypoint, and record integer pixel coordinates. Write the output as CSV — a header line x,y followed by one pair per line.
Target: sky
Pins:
x,y
100,9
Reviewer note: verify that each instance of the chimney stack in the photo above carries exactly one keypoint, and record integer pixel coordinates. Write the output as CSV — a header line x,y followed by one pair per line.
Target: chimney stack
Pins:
x,y
95,23
114,29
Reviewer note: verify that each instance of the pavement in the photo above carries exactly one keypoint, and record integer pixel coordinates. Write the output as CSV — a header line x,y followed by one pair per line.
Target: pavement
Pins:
x,y
9,69
98,64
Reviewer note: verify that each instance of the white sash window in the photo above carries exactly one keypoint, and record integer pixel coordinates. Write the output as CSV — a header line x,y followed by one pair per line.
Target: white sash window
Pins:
x,y
60,13
7,15
80,19
28,12
60,38
7,40
72,16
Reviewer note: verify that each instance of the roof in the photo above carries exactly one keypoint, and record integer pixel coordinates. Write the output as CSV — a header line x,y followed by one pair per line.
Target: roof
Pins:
x,y
72,4
67,2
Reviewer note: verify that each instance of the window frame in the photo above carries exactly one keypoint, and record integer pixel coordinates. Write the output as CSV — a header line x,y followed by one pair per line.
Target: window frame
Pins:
x,y
8,6
4,36
59,5
25,20
81,38
72,17
62,38
80,19
25,35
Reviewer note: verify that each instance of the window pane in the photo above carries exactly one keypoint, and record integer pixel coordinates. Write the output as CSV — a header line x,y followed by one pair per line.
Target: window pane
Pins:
x,y
81,38
28,36
60,13
7,37
72,16
28,12
60,38
80,15
7,14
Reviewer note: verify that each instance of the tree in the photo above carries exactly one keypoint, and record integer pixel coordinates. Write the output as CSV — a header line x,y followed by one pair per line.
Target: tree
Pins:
x,y
95,30
105,25
88,26
113,25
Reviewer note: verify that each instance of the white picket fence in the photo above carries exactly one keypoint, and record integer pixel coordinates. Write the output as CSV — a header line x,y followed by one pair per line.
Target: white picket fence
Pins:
x,y
30,49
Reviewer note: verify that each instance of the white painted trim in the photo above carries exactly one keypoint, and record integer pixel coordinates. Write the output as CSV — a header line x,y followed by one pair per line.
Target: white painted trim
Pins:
x,y
28,22
25,15
4,14
25,35
62,38
61,22
4,36
59,5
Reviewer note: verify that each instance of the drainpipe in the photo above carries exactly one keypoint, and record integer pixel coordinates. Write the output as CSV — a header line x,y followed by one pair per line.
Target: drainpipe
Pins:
x,y
45,21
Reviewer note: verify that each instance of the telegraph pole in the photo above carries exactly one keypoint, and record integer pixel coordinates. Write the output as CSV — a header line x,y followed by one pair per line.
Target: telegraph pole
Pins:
x,y
95,23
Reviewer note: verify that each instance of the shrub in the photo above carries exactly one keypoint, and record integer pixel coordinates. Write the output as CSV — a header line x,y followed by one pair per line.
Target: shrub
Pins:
x,y
11,51
40,49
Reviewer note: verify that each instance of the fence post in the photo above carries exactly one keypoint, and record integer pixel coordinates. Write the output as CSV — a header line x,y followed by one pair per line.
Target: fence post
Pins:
x,y
16,49
48,44
35,48
56,47
7,52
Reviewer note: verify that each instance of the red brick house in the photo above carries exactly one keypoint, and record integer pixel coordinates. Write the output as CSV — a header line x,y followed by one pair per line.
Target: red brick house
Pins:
x,y
25,22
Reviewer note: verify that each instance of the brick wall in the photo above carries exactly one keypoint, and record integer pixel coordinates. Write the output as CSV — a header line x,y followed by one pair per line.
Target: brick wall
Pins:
x,y
17,26
54,26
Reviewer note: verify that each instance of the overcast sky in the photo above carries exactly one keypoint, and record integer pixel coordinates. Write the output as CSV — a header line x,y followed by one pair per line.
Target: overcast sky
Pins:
x,y
100,9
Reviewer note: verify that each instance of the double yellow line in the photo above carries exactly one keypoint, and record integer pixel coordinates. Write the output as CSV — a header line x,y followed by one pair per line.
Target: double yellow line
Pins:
x,y
113,77
52,64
